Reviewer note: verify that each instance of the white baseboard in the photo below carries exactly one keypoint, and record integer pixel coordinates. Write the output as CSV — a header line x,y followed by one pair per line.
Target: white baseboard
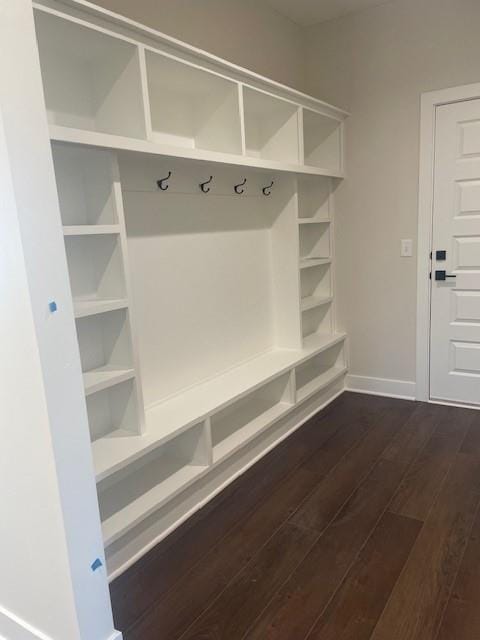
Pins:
x,y
381,387
14,628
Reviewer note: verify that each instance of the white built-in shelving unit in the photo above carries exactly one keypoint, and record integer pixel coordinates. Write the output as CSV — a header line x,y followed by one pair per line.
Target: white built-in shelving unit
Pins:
x,y
205,319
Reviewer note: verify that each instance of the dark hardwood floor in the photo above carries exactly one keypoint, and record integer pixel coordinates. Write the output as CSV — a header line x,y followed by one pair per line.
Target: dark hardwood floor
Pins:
x,y
363,525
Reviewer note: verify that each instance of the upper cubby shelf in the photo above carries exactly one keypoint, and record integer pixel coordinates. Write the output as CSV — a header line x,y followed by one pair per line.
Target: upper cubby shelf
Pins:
x,y
191,107
106,86
322,138
271,127
91,80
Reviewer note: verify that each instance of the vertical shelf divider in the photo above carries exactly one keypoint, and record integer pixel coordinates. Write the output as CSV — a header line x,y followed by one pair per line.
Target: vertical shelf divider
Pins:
x,y
243,134
118,203
145,93
301,137
207,429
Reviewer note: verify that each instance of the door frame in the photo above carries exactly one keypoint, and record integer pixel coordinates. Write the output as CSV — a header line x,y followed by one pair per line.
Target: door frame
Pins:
x,y
430,101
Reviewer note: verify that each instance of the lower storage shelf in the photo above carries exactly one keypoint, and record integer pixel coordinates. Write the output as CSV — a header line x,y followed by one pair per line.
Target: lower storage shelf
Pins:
x,y
168,419
245,419
319,372
149,485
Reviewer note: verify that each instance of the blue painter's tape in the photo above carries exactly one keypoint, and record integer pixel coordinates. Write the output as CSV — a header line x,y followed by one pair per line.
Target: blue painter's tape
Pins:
x,y
97,564
52,306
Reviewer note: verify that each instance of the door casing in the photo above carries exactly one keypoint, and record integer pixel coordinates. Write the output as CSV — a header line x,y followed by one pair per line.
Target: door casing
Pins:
x,y
430,101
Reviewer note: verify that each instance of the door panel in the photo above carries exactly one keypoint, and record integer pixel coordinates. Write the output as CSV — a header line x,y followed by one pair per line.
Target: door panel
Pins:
x,y
455,311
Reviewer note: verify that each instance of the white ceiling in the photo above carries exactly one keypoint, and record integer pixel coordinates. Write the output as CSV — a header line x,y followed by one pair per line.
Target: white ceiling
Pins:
x,y
308,12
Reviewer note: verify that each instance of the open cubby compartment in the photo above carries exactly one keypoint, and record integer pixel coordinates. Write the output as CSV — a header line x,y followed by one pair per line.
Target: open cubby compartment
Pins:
x,y
241,421
271,127
191,107
85,185
130,496
114,411
105,349
317,320
315,285
313,198
95,265
314,241
322,140
91,80
318,372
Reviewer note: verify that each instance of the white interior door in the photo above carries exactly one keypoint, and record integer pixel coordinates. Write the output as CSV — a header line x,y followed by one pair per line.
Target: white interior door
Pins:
x,y
455,310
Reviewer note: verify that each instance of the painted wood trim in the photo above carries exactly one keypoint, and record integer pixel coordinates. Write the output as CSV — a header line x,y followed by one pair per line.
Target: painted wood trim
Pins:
x,y
402,389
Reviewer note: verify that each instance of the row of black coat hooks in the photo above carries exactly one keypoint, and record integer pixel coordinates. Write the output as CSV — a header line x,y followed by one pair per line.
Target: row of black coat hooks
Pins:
x,y
204,188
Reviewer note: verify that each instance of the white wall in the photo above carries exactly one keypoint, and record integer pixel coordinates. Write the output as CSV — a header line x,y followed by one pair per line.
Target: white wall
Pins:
x,y
376,63
245,32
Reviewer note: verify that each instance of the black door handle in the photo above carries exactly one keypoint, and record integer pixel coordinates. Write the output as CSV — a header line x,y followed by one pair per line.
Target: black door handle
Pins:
x,y
443,275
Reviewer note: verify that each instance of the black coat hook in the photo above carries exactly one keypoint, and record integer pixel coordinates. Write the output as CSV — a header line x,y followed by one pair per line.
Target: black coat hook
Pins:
x,y
268,190
160,184
237,187
203,185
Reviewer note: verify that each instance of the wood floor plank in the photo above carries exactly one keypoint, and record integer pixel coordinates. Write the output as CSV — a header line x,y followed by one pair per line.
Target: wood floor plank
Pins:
x,y
329,496
471,444
193,593
308,542
357,605
245,597
461,620
424,479
415,608
300,602
148,580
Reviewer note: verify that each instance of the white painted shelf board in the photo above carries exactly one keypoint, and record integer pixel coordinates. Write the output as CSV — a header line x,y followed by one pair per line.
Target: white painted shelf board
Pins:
x,y
313,220
320,382
84,308
175,481
104,378
108,141
248,432
174,416
91,229
306,263
311,302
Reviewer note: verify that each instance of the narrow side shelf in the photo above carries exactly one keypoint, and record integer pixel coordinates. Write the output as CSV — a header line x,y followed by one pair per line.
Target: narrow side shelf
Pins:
x,y
311,302
306,263
105,377
91,229
317,221
84,308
